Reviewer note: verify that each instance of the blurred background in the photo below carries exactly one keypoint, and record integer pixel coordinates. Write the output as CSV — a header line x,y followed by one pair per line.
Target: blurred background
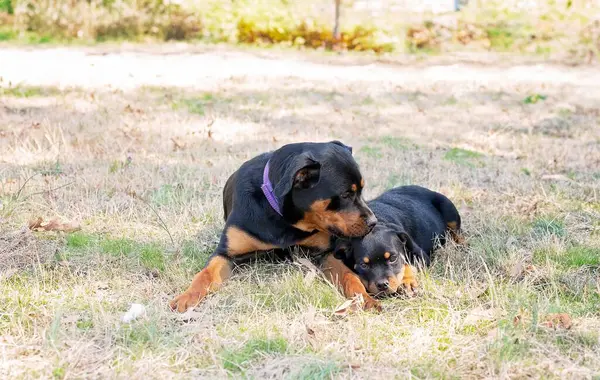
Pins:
x,y
564,29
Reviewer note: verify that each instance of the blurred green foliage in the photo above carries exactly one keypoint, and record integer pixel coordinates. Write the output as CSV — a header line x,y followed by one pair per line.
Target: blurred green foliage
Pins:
x,y
491,25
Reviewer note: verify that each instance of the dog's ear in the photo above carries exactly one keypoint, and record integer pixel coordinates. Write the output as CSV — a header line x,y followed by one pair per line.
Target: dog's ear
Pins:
x,y
414,253
347,147
300,172
342,249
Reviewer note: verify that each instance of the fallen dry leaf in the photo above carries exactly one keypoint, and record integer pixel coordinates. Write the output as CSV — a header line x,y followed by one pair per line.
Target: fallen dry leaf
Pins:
x,y
306,263
177,144
558,320
517,320
312,272
344,308
53,225
35,223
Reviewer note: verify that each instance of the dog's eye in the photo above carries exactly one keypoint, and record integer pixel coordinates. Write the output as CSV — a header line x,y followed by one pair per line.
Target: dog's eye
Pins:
x,y
393,259
348,194
364,266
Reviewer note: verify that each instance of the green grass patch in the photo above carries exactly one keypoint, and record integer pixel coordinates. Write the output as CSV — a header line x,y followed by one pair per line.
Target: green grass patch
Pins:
x,y
534,98
508,347
571,258
118,247
462,156
166,194
85,324
395,180
293,294
27,91
368,100
450,101
152,257
7,35
397,143
195,254
547,227
140,335
79,240
237,360
576,302
580,256
6,6
501,37
371,151
196,105
59,373
317,371
118,165
47,168
568,344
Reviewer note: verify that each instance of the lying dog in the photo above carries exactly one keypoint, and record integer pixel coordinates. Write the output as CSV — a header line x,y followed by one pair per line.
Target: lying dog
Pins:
x,y
411,219
300,194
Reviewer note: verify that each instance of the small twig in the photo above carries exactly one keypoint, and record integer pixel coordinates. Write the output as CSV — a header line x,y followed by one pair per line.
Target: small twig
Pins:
x,y
23,186
161,223
47,191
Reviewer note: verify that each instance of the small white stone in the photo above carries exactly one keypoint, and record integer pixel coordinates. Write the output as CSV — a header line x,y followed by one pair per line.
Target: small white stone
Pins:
x,y
136,310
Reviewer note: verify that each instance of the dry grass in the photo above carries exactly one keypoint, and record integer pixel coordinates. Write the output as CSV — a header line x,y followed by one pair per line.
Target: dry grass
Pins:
x,y
518,153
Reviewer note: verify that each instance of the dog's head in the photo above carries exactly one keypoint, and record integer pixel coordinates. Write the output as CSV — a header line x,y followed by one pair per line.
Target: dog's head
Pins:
x,y
379,258
319,186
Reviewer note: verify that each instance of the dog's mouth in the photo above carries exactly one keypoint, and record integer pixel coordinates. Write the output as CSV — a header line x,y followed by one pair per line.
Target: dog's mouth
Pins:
x,y
335,232
350,234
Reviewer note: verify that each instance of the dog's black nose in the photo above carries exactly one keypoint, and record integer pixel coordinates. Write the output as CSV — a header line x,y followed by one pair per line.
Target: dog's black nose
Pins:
x,y
383,285
371,221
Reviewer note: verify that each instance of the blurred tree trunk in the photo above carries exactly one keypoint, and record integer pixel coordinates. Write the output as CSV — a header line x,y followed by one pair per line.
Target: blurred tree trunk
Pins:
x,y
336,25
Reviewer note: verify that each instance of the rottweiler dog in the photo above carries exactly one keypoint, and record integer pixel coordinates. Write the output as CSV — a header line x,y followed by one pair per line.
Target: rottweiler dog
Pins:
x,y
300,194
411,221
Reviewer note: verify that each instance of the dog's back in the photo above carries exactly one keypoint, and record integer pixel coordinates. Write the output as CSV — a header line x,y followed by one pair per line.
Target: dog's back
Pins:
x,y
424,214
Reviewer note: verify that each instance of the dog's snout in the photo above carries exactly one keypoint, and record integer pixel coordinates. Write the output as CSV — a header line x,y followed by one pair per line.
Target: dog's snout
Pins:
x,y
383,285
371,221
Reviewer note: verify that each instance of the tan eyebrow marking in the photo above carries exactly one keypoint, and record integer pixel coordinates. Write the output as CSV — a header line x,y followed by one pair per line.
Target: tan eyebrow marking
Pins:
x,y
366,260
354,187
362,182
386,255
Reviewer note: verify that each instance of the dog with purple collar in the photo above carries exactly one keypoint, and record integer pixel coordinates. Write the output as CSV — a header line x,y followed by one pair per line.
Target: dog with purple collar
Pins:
x,y
300,194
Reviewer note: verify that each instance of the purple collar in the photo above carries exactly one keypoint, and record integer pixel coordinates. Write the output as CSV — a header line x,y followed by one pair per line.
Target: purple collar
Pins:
x,y
267,189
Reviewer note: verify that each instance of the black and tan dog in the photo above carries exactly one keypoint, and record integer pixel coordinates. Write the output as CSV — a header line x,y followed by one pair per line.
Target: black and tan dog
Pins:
x,y
411,220
300,194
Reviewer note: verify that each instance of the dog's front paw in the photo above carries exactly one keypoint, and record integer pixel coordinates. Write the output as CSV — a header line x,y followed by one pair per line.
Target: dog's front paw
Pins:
x,y
371,304
185,301
409,283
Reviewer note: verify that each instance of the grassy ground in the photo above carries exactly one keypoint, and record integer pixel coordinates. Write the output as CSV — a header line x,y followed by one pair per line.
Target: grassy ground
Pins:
x,y
139,159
